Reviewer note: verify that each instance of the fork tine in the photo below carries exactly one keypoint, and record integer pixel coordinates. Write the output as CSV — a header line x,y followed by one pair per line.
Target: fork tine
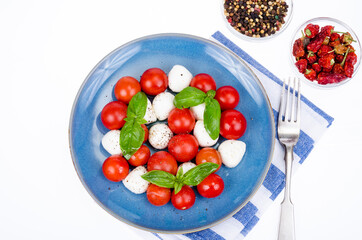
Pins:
x,y
282,105
287,107
292,118
298,103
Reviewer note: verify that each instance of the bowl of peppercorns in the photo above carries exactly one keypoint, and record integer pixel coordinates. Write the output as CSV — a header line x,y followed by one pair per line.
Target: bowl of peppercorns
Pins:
x,y
325,52
257,19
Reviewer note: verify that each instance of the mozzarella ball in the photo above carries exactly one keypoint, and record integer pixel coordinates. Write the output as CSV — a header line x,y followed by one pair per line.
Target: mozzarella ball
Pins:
x,y
202,136
110,142
186,166
198,111
163,104
150,115
134,182
179,78
232,151
159,135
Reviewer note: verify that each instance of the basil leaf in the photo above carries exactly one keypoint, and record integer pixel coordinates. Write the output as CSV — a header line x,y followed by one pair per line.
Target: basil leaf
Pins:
x,y
160,178
137,106
212,117
131,138
197,174
211,94
179,174
189,97
178,187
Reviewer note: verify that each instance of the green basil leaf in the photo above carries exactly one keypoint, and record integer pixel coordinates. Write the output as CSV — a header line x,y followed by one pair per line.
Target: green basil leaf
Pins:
x,y
178,187
189,97
160,178
197,174
131,138
137,106
212,117
179,174
211,94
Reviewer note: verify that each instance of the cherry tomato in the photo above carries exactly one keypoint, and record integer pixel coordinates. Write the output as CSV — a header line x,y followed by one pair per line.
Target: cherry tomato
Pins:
x,y
146,132
209,155
211,187
154,81
140,157
162,161
184,199
228,97
232,124
203,82
115,168
126,88
158,196
183,147
113,114
181,121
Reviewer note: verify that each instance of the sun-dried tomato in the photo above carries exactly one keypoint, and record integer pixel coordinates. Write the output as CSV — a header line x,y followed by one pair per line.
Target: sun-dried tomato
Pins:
x,y
352,58
324,50
298,48
316,67
310,74
311,57
338,68
326,78
348,69
311,30
302,65
326,61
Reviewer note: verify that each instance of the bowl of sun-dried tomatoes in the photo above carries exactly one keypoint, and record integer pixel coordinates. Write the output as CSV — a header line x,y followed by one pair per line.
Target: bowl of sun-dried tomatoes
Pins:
x,y
325,52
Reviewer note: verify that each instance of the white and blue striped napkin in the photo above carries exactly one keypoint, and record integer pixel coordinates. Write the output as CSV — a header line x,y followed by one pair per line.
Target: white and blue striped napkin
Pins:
x,y
315,123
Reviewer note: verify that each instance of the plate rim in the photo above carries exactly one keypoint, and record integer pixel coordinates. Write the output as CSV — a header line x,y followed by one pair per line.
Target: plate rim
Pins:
x,y
258,185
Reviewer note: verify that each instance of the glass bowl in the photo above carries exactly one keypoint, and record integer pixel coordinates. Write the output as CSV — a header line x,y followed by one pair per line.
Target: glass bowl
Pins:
x,y
338,26
287,20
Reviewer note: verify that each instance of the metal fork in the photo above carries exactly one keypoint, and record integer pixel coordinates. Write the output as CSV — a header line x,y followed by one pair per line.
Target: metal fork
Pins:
x,y
288,132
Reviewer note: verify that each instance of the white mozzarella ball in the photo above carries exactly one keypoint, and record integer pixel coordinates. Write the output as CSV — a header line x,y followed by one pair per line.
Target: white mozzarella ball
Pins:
x,y
179,78
163,104
232,151
110,142
150,115
186,166
159,135
134,182
202,136
198,111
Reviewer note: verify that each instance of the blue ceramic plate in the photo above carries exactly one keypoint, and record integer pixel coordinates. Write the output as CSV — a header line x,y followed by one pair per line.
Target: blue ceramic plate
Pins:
x,y
199,56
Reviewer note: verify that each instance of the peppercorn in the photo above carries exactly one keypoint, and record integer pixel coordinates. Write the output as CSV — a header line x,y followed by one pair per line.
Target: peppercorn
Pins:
x,y
251,15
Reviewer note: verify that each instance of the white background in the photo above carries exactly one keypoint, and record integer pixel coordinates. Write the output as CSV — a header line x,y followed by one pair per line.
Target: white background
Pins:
x,y
47,48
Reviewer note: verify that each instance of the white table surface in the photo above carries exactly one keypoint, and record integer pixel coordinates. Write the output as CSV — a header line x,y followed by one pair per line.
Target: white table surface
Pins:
x,y
47,48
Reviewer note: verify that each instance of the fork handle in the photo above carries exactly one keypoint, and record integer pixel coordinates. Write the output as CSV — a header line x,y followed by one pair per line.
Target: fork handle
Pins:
x,y
286,225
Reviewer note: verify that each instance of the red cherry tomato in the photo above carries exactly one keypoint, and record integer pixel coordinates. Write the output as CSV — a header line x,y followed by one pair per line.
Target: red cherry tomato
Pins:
x,y
181,121
184,199
146,132
154,81
208,155
211,187
158,196
140,157
228,97
183,147
203,82
232,124
162,161
126,88
113,114
115,168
